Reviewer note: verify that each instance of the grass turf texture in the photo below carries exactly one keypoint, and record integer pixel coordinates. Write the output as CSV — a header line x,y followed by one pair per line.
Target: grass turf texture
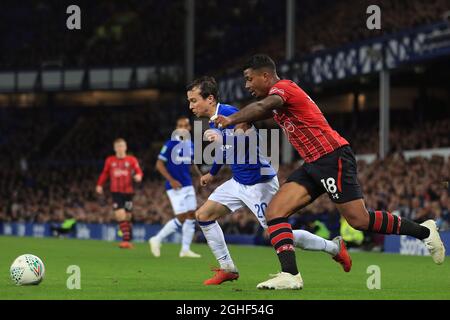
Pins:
x,y
108,272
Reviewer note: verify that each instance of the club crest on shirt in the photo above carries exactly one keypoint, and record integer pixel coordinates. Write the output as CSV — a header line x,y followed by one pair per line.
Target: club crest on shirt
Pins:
x,y
229,132
288,126
226,147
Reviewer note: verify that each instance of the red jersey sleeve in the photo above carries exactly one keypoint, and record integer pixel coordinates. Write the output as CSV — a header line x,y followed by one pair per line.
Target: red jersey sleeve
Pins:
x,y
137,167
281,89
105,173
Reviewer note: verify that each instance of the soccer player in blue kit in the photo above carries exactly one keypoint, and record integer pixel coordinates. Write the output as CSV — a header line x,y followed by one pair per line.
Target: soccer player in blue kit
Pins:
x,y
253,185
174,162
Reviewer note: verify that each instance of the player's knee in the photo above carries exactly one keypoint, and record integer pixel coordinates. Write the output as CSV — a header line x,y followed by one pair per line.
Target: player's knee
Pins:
x,y
182,218
201,215
190,215
357,223
121,215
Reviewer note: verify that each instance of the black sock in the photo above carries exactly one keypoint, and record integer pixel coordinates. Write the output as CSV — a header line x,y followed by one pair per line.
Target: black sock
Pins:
x,y
413,229
287,261
282,239
386,223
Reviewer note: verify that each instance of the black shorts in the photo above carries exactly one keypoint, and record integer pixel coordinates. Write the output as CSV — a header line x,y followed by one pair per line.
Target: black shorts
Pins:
x,y
122,201
334,173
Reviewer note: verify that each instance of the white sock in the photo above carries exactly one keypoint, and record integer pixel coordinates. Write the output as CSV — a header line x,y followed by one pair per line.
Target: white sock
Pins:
x,y
309,241
188,234
169,228
216,241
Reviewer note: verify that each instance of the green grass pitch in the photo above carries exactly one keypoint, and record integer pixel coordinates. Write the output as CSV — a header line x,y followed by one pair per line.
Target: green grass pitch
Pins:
x,y
110,273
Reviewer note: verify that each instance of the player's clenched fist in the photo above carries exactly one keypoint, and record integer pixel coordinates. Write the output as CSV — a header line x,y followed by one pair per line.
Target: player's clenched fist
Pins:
x,y
212,135
221,122
175,184
138,178
207,178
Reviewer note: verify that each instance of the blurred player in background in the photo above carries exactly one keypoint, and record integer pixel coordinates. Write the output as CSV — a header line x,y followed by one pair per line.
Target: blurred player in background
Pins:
x,y
121,169
174,162
330,167
252,185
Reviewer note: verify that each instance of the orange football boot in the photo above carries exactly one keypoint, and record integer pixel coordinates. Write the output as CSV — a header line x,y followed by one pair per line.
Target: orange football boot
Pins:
x,y
126,245
342,257
221,276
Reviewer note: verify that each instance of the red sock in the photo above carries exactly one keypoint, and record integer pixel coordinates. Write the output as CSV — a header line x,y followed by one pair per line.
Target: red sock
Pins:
x,y
125,227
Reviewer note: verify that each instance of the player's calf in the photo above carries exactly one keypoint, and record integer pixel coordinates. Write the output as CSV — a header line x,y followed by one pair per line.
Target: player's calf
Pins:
x,y
379,221
282,240
386,223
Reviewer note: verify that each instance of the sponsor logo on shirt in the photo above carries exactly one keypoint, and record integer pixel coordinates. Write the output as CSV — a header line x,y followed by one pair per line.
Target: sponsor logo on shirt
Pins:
x,y
120,173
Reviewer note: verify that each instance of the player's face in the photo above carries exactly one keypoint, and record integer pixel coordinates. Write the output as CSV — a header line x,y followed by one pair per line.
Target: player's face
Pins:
x,y
120,148
198,105
183,124
257,82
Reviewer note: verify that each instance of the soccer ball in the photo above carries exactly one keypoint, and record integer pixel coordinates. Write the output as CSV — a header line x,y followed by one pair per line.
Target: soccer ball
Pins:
x,y
27,269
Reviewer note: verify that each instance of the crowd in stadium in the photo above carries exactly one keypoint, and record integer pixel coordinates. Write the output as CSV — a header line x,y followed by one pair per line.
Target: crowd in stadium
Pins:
x,y
123,32
51,160
410,188
431,134
55,178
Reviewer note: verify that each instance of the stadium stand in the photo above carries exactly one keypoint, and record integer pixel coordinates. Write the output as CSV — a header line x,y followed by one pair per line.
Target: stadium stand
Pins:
x,y
52,157
56,173
123,33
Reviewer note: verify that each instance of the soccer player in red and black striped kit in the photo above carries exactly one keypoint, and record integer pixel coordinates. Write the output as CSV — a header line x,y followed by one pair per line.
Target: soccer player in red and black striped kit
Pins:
x,y
121,169
330,167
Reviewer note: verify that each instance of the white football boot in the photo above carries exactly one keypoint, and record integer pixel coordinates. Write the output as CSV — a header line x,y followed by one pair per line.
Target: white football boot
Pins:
x,y
189,254
282,281
434,243
155,246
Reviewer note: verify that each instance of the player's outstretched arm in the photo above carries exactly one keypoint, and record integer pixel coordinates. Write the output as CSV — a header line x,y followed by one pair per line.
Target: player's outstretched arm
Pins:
x,y
255,111
197,170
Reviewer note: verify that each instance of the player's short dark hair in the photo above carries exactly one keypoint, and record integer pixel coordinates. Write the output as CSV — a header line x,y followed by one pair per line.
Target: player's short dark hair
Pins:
x,y
182,118
260,61
207,85
119,140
